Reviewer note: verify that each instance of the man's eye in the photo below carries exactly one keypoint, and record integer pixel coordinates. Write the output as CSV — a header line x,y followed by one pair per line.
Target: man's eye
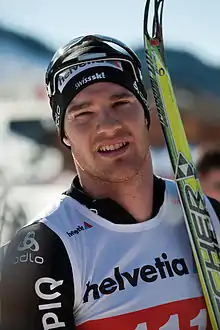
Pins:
x,y
84,113
120,103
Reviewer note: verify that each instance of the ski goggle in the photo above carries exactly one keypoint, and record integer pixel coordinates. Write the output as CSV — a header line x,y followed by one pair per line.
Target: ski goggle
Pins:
x,y
64,59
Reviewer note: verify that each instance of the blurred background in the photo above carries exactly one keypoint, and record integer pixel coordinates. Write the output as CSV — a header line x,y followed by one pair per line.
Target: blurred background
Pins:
x,y
34,166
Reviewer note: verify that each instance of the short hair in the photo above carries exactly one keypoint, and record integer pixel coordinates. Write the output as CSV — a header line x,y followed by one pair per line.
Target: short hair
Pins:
x,y
208,160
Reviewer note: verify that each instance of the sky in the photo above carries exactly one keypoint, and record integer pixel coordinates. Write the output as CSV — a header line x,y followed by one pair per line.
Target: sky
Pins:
x,y
191,25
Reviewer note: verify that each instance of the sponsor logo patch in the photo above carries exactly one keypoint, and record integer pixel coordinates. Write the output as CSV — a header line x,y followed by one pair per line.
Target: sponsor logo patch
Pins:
x,y
47,290
79,229
122,280
87,79
65,76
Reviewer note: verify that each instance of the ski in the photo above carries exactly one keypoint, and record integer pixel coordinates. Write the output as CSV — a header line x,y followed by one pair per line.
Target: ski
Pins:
x,y
202,237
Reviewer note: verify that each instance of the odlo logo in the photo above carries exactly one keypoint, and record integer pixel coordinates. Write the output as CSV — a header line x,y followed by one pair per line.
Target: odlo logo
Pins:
x,y
161,269
28,246
57,116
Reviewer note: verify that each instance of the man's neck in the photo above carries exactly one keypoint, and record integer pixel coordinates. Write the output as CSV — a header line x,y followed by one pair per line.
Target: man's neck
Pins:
x,y
135,196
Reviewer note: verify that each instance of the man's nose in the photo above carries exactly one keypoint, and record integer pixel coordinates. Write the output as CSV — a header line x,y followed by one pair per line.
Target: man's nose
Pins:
x,y
108,122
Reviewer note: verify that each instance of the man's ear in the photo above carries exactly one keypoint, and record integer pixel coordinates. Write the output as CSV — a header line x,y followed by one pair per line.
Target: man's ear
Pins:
x,y
66,140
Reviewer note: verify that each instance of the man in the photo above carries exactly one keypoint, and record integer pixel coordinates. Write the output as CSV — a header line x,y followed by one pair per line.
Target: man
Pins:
x,y
208,166
113,252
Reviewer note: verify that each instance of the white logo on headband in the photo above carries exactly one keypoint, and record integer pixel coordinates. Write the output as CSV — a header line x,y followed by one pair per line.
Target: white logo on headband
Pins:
x,y
57,117
65,76
87,79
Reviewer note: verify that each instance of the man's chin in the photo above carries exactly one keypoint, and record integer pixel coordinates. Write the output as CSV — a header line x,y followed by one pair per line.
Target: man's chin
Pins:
x,y
116,172
118,176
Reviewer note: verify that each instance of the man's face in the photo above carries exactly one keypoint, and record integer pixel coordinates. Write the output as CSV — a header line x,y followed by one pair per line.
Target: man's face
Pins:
x,y
107,132
210,183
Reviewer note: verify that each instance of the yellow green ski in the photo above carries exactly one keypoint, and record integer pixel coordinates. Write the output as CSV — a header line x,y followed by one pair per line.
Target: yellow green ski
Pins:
x,y
201,234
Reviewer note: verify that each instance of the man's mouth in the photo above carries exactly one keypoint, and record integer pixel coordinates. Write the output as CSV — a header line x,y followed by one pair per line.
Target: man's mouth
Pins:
x,y
113,149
